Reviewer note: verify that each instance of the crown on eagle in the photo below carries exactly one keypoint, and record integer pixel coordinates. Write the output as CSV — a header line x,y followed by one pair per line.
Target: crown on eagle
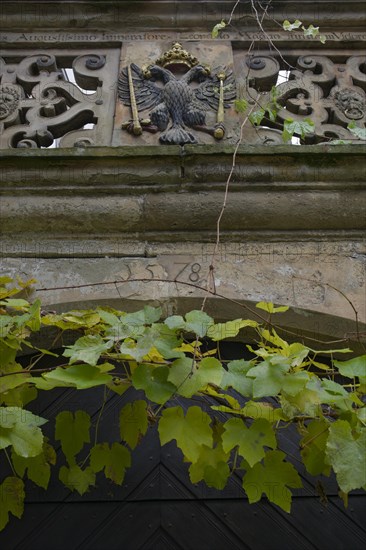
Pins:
x,y
177,56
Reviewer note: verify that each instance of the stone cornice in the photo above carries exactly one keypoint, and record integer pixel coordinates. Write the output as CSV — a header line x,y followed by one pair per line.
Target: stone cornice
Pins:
x,y
192,167
176,15
168,194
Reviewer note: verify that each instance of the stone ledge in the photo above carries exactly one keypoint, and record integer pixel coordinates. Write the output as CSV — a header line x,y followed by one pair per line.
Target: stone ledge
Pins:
x,y
173,194
160,15
135,167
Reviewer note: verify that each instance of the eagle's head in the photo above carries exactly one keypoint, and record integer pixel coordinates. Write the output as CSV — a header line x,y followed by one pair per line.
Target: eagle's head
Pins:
x,y
199,73
158,73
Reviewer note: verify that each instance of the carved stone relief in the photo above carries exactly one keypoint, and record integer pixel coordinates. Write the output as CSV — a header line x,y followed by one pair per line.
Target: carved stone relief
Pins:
x,y
164,90
151,93
175,93
330,94
60,98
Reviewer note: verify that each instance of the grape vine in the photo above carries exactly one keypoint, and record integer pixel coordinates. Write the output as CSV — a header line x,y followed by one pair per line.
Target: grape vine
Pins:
x,y
282,385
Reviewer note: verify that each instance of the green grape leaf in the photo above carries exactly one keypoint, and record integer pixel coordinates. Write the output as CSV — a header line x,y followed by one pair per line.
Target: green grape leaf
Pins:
x,y
190,376
38,467
166,341
20,396
87,349
219,331
236,377
190,431
4,280
20,428
287,26
12,499
307,402
249,440
42,384
15,303
270,308
258,409
298,127
175,322
330,392
82,318
73,430
133,422
346,454
145,316
294,382
311,31
357,130
121,330
119,385
114,460
233,403
76,479
11,381
198,322
137,350
272,336
361,415
81,376
7,353
272,478
353,367
256,117
268,378
313,446
252,409
217,28
240,105
152,314
211,467
107,316
154,382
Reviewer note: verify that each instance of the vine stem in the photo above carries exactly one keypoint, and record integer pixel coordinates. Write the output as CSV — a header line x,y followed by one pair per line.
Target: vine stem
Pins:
x,y
97,423
235,460
211,275
232,12
256,313
314,437
100,415
10,463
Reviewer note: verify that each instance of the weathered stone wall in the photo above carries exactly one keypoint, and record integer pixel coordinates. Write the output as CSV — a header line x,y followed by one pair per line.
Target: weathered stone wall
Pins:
x,y
145,214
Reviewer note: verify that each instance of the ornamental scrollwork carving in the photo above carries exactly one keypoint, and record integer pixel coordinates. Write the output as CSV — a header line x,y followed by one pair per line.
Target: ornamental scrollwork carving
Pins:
x,y
330,94
55,99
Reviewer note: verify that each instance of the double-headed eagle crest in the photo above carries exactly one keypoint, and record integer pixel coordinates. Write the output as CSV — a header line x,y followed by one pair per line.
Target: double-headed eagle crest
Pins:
x,y
175,105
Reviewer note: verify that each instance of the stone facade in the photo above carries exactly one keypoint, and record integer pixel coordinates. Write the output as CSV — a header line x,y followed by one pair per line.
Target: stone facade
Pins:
x,y
85,202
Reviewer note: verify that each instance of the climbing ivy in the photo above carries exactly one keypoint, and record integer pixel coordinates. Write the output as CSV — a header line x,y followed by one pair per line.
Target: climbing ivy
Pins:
x,y
283,385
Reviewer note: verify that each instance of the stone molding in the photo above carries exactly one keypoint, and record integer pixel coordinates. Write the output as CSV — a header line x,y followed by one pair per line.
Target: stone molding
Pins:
x,y
164,14
173,194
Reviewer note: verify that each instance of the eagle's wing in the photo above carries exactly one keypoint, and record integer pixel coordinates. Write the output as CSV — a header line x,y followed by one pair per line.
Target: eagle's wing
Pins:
x,y
207,94
147,93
